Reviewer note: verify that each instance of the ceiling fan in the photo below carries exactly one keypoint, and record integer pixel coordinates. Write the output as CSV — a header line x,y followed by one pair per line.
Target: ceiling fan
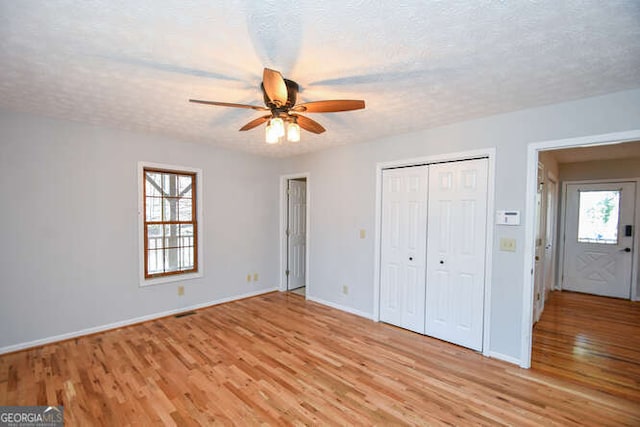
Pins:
x,y
280,96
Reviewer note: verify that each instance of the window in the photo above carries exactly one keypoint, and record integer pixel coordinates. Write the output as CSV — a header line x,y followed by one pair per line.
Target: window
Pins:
x,y
598,217
169,223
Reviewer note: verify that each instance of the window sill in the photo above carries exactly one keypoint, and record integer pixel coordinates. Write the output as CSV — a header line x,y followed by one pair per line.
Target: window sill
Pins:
x,y
169,279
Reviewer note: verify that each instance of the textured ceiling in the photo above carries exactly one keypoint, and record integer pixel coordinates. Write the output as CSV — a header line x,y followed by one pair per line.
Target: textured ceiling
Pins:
x,y
417,64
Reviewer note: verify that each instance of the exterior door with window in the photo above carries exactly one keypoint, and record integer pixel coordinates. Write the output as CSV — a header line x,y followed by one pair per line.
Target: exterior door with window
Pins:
x,y
598,247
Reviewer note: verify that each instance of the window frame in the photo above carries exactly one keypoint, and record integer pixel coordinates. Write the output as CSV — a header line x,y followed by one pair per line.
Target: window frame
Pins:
x,y
174,276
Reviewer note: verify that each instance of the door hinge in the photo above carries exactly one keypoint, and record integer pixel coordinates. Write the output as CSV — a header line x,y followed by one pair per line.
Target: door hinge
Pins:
x,y
286,272
286,232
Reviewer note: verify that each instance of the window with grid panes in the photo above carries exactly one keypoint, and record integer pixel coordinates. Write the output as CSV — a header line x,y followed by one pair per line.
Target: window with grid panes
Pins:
x,y
170,226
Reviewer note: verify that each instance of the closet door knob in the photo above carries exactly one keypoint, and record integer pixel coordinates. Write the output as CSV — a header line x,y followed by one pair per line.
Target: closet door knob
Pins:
x,y
441,262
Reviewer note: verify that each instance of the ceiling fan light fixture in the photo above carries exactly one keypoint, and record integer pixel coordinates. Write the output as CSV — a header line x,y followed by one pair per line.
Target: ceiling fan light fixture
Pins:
x,y
278,125
280,99
293,132
271,135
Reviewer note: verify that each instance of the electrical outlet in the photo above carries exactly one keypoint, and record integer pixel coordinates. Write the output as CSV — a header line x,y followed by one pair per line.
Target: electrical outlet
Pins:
x,y
249,277
345,289
507,245
180,290
255,277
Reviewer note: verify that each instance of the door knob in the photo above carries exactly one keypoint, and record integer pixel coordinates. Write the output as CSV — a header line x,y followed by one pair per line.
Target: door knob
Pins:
x,y
441,262
410,258
626,250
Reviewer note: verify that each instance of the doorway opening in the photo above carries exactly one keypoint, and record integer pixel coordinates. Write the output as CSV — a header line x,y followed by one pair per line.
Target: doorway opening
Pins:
x,y
294,233
552,168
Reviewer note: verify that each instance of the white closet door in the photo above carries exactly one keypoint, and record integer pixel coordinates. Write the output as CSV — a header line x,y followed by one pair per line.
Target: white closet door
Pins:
x,y
404,221
457,217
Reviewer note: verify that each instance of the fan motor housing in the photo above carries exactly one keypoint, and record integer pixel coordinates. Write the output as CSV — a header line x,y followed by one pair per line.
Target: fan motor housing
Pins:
x,y
292,96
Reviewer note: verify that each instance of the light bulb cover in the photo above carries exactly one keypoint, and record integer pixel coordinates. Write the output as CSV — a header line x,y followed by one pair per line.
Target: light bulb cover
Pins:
x,y
293,132
278,126
271,137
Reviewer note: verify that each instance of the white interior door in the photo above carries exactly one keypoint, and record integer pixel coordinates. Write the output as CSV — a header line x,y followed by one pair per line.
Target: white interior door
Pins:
x,y
403,241
296,233
457,217
550,245
538,277
598,238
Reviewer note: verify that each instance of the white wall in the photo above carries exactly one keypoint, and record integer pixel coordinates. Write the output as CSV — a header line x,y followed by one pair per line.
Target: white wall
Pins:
x,y
342,186
69,253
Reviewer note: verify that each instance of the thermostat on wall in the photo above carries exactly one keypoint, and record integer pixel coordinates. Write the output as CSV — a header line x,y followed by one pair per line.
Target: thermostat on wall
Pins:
x,y
508,217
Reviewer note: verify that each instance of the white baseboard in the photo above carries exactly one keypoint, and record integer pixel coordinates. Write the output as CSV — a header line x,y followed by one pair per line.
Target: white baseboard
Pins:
x,y
341,307
504,357
128,322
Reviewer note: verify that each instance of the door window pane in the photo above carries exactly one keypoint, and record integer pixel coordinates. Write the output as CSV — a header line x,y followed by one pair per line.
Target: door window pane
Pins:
x,y
598,217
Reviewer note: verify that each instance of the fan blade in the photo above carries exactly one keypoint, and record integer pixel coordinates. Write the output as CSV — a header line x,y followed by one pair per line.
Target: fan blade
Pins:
x,y
228,104
329,106
256,122
275,87
308,124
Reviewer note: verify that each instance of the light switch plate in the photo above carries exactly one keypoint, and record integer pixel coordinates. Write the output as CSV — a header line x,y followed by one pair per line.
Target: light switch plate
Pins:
x,y
363,233
507,244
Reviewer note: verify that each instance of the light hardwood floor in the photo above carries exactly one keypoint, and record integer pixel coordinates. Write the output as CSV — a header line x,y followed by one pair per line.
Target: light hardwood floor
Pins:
x,y
278,359
590,341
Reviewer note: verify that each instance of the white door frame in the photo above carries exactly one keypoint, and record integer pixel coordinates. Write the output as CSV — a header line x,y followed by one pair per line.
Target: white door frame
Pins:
x,y
489,153
284,180
529,240
636,222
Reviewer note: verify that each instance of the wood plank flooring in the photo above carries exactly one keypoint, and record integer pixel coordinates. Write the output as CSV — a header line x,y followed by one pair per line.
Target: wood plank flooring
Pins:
x,y
590,341
277,359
